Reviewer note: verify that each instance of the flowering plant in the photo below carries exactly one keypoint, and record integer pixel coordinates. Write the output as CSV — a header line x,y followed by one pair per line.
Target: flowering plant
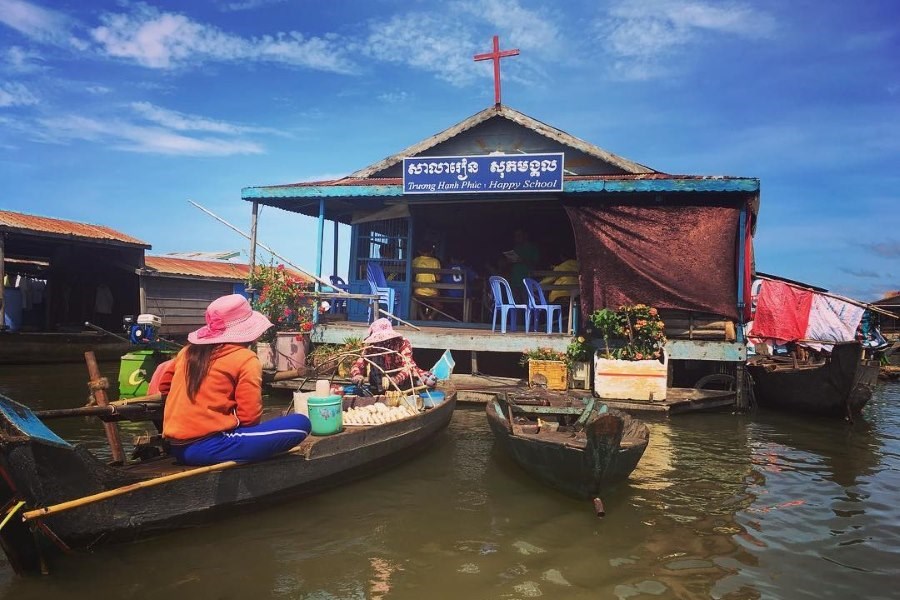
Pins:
x,y
640,331
541,354
579,350
283,297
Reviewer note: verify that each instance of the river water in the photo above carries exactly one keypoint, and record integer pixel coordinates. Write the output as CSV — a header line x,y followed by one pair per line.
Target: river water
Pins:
x,y
759,505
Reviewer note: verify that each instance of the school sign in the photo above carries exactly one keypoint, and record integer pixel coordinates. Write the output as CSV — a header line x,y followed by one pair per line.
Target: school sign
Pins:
x,y
483,174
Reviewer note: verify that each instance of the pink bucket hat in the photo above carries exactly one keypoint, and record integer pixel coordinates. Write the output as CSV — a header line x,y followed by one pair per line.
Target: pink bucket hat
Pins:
x,y
230,319
380,330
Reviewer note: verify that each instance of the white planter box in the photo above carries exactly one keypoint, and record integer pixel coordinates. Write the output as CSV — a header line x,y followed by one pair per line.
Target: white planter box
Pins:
x,y
630,379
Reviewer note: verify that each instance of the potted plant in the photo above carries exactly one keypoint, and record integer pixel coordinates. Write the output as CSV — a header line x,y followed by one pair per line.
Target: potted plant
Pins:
x,y
632,364
579,354
546,367
286,299
335,359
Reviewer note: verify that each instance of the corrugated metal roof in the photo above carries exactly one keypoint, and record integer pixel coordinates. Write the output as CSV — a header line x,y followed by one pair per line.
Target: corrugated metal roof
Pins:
x,y
23,223
519,118
202,269
353,181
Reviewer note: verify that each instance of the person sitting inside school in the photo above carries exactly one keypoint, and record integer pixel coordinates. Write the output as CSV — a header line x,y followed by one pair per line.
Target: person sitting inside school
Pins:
x,y
566,264
463,274
429,295
388,353
214,405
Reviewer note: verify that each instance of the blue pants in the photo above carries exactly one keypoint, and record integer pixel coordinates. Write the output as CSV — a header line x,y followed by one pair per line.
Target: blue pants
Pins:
x,y
245,443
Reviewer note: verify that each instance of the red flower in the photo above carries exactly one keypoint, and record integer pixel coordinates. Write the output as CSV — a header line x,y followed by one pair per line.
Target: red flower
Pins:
x,y
307,326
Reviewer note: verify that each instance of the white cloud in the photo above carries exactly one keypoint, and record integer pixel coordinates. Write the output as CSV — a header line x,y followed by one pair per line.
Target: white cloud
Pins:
x,y
393,97
16,94
171,119
642,35
98,90
248,5
128,136
37,23
19,60
163,40
520,26
425,41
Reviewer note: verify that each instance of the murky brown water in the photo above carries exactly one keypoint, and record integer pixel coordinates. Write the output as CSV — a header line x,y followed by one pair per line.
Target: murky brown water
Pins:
x,y
722,506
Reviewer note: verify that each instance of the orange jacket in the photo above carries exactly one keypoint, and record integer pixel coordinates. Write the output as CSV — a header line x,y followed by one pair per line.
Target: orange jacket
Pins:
x,y
230,395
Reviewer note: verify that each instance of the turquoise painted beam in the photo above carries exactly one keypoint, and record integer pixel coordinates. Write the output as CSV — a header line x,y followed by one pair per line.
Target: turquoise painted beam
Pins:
x,y
674,184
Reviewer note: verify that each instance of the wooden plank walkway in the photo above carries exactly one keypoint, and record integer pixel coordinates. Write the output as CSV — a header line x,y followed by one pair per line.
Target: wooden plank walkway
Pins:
x,y
480,389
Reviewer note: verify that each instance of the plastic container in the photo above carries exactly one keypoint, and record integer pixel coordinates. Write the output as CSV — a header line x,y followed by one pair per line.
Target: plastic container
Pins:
x,y
136,370
325,414
432,398
301,403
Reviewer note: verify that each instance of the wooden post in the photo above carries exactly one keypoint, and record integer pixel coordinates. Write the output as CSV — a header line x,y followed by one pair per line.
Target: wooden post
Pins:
x,y
253,225
2,285
97,385
741,400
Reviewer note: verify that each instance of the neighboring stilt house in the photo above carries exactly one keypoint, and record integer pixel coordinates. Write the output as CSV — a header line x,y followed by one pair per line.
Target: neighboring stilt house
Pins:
x,y
681,243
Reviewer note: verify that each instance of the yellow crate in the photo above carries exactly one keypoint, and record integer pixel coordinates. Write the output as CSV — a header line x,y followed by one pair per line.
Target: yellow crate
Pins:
x,y
550,373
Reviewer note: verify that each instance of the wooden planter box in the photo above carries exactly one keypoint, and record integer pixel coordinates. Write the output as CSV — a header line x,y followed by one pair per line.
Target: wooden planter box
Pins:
x,y
630,379
550,373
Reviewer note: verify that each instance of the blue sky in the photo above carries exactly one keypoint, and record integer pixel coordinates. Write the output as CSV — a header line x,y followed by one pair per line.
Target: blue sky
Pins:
x,y
118,112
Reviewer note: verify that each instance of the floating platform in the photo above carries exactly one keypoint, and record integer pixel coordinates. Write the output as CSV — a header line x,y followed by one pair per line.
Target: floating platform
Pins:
x,y
481,389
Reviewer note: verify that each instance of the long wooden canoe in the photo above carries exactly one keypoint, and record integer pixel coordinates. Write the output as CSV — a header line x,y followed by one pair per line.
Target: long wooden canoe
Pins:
x,y
576,445
53,493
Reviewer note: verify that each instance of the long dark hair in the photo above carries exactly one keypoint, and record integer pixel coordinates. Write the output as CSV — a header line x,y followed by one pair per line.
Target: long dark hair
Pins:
x,y
198,358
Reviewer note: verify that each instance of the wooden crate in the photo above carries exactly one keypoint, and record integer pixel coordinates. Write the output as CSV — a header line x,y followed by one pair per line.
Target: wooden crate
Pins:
x,y
550,373
581,375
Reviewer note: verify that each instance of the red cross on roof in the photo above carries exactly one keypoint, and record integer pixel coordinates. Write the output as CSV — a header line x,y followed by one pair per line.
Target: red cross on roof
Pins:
x,y
495,56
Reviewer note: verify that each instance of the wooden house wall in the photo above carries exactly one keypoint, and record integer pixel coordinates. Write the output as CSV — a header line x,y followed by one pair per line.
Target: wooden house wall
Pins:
x,y
182,302
77,271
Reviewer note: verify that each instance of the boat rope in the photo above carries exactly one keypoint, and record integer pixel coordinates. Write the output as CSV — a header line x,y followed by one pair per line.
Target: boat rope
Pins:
x,y
10,513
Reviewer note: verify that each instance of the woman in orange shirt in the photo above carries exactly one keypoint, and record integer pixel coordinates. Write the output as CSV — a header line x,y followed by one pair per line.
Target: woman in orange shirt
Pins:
x,y
214,386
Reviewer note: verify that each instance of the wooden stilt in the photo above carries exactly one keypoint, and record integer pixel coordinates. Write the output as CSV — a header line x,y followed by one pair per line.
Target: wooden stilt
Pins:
x,y
98,391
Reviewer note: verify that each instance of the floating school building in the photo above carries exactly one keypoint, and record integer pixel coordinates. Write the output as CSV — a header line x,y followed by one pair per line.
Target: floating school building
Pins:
x,y
681,243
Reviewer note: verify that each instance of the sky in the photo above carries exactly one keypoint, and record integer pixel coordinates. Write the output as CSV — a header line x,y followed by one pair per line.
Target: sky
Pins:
x,y
119,112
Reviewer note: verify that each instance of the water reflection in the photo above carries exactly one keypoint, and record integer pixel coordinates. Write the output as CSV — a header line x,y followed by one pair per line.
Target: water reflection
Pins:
x,y
724,506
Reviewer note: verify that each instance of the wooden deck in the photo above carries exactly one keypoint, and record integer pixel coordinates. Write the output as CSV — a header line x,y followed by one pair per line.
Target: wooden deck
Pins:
x,y
481,389
478,337
466,336
478,389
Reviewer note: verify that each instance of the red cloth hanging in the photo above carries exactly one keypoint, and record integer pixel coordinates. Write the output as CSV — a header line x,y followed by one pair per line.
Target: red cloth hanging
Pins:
x,y
782,311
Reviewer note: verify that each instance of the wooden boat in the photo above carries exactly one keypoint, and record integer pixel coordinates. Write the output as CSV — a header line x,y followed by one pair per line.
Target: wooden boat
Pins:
x,y
576,445
55,494
837,385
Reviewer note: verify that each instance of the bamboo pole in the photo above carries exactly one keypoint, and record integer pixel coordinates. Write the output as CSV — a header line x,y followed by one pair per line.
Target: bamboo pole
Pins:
x,y
84,500
339,291
99,394
858,303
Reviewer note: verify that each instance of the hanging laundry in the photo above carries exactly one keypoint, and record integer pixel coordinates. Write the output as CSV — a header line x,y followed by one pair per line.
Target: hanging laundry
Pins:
x,y
831,320
782,312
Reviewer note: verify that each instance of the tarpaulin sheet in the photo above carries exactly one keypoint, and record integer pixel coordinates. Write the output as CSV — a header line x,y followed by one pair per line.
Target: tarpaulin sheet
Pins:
x,y
667,256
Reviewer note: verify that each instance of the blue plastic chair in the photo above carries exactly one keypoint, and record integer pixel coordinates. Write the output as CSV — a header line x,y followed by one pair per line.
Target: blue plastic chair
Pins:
x,y
378,284
338,305
505,302
537,303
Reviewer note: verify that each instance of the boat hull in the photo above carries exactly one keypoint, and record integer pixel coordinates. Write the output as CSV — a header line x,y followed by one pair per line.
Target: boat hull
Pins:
x,y
316,464
611,453
840,387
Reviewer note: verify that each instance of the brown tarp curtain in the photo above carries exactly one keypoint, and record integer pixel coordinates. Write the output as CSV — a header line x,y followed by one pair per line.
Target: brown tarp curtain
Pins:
x,y
679,257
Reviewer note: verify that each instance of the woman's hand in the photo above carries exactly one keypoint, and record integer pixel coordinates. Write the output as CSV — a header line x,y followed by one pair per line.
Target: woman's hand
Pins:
x,y
358,379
